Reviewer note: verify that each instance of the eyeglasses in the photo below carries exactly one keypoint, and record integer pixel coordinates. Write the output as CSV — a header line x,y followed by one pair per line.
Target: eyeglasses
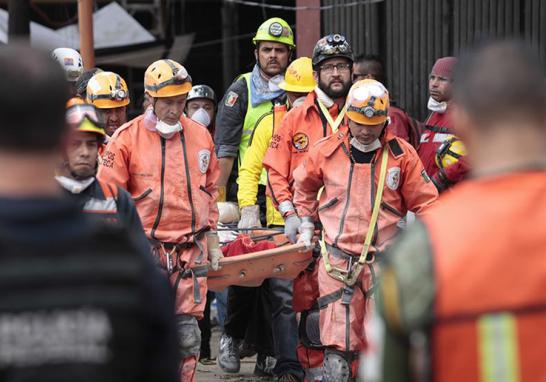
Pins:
x,y
341,68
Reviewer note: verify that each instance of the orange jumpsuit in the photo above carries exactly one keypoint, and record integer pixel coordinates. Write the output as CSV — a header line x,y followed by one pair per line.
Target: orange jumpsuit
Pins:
x,y
300,129
173,183
345,208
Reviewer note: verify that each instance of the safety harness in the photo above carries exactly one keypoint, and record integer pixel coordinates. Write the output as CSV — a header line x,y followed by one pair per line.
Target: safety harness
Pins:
x,y
333,124
350,276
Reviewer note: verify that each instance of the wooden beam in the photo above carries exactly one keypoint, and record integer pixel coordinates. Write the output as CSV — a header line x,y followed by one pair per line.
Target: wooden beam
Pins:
x,y
85,19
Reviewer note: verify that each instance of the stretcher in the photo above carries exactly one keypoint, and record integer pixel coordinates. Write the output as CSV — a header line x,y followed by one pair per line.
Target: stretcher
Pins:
x,y
285,261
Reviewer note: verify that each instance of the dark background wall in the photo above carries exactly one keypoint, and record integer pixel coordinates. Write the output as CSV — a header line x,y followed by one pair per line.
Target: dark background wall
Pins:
x,y
411,34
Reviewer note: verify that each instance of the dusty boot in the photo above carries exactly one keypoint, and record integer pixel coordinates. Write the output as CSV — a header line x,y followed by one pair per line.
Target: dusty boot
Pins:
x,y
264,366
228,355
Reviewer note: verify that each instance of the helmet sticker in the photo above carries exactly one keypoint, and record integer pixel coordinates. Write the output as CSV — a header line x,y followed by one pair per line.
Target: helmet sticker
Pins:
x,y
275,30
300,141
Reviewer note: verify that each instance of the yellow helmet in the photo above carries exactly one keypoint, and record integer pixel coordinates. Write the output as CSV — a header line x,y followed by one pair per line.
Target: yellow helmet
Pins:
x,y
368,102
107,90
299,76
449,152
275,30
166,78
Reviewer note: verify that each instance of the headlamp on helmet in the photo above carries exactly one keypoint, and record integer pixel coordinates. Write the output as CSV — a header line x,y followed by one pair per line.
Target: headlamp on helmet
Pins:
x,y
368,102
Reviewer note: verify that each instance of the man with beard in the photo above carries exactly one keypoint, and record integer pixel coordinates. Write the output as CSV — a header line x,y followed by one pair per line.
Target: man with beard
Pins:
x,y
77,173
108,92
321,114
246,101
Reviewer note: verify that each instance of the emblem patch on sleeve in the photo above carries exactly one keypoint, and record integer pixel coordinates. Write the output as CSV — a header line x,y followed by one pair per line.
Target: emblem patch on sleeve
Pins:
x,y
300,141
204,160
393,178
231,99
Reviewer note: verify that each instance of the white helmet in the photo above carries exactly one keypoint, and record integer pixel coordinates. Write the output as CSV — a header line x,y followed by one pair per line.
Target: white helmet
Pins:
x,y
71,62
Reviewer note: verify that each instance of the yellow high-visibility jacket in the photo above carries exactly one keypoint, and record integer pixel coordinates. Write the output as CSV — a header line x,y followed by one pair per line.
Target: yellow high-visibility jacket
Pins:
x,y
252,165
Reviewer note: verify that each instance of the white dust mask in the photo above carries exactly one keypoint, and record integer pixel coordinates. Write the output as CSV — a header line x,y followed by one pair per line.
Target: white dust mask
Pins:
x,y
364,147
438,107
201,116
166,130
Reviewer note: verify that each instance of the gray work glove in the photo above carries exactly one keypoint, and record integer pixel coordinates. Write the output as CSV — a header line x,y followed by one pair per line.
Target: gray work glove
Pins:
x,y
291,225
307,230
213,249
250,217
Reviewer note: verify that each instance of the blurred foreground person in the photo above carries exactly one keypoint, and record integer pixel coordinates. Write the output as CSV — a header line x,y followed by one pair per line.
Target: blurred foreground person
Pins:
x,y
464,288
79,302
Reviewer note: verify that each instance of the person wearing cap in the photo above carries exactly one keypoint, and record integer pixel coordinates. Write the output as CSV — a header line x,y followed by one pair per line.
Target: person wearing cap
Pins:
x,y
72,63
370,180
400,123
167,163
108,92
321,114
439,126
201,106
298,83
251,96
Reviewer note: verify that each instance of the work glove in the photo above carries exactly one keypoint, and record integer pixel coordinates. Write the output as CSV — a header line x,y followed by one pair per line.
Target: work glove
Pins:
x,y
306,230
440,180
213,248
225,234
228,212
250,217
291,225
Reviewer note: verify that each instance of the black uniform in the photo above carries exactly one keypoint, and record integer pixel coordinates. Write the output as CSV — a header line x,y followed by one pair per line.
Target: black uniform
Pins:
x,y
78,300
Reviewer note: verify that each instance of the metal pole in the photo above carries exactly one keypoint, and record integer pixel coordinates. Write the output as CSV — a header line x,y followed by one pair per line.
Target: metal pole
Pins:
x,y
85,17
19,20
307,27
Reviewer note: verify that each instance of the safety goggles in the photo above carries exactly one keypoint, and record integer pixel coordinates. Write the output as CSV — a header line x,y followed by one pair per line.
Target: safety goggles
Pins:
x,y
76,114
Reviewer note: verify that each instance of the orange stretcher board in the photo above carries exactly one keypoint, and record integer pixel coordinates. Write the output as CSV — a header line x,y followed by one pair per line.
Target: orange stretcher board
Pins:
x,y
285,261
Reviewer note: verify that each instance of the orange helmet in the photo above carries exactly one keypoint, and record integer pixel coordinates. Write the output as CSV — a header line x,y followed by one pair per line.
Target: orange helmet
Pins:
x,y
166,78
368,102
74,101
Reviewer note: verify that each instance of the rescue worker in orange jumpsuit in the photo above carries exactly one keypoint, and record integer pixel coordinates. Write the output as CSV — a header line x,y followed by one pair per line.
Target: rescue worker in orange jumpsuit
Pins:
x,y
167,162
370,180
321,114
439,126
464,280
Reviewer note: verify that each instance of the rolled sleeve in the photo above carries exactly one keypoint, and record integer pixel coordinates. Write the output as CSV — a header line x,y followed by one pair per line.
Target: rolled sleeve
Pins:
x,y
230,119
